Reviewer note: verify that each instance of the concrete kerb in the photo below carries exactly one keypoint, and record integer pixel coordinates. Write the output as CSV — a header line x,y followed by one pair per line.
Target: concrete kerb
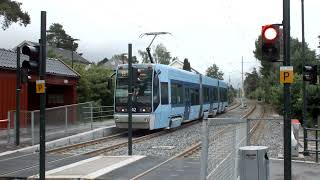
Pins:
x,y
296,161
86,136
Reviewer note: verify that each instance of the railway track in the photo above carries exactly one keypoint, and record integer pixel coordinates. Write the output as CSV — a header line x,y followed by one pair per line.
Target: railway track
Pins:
x,y
82,148
193,149
256,131
101,149
197,147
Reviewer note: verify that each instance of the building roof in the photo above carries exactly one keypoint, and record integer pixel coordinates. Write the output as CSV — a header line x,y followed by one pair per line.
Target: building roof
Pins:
x,y
8,60
113,63
63,53
179,64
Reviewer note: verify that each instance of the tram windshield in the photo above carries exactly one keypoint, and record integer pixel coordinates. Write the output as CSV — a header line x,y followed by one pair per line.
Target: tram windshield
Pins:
x,y
142,89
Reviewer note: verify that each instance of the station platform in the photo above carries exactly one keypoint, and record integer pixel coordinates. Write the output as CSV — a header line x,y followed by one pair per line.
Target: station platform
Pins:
x,y
127,167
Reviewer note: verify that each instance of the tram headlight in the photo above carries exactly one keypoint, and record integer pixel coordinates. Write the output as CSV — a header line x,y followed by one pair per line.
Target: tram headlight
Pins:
x,y
145,109
121,109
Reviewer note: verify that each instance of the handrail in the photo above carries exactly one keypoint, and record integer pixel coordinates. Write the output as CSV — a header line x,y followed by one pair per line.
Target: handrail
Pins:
x,y
313,129
4,120
69,105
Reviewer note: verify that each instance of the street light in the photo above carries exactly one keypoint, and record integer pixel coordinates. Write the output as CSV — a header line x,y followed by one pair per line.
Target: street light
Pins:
x,y
72,41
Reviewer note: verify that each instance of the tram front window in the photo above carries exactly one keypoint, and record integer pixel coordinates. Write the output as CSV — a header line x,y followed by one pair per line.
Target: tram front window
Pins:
x,y
142,90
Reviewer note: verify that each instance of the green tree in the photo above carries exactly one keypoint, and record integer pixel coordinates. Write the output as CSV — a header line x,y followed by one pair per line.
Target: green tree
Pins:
x,y
83,85
175,58
269,79
92,85
11,12
213,71
160,55
58,37
144,56
186,65
123,58
97,78
232,93
251,82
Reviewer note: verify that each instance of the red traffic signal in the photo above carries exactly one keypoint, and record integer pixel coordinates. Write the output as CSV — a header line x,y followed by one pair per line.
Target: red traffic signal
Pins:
x,y
270,46
34,57
270,33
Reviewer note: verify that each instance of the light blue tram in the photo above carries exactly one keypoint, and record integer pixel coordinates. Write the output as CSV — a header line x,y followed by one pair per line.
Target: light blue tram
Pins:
x,y
165,97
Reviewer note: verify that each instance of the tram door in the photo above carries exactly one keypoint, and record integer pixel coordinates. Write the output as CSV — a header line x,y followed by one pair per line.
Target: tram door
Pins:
x,y
187,98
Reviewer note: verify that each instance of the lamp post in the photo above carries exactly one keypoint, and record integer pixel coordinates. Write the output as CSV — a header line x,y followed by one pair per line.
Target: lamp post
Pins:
x,y
72,41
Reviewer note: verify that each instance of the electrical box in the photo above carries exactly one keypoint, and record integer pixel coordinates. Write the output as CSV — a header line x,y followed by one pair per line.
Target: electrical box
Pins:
x,y
254,163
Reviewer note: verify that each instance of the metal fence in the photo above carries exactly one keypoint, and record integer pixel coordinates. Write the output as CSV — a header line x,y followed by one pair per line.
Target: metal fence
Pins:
x,y
60,121
221,139
4,130
99,113
313,138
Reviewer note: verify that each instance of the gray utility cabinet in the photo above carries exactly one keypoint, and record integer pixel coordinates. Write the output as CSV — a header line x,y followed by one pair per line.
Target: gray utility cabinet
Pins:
x,y
254,163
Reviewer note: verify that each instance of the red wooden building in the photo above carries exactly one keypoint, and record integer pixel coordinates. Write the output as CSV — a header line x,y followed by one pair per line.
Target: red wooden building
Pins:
x,y
61,83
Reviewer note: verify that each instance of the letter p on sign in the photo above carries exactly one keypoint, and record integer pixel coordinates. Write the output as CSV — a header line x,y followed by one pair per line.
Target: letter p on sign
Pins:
x,y
286,74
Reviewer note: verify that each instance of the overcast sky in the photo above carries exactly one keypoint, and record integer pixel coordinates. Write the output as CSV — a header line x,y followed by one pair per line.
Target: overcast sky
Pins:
x,y
204,31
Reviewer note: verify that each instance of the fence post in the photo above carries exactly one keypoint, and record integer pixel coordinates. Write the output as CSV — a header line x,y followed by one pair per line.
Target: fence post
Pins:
x,y
91,115
9,127
66,120
204,150
15,127
235,147
248,132
317,155
32,127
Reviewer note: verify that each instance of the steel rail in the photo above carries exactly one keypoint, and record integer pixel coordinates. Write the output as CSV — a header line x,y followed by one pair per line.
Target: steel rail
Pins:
x,y
190,150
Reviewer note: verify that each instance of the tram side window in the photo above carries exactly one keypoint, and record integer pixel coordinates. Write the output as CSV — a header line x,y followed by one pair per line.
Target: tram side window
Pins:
x,y
156,98
176,93
194,96
222,94
225,94
206,95
164,93
215,94
211,95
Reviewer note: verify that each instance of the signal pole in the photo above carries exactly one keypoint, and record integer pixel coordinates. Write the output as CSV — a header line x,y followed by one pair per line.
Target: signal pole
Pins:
x,y
304,92
18,90
130,100
242,89
42,73
286,90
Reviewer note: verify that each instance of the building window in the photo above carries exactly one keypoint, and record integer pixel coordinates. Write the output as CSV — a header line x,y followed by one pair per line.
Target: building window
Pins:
x,y
55,99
